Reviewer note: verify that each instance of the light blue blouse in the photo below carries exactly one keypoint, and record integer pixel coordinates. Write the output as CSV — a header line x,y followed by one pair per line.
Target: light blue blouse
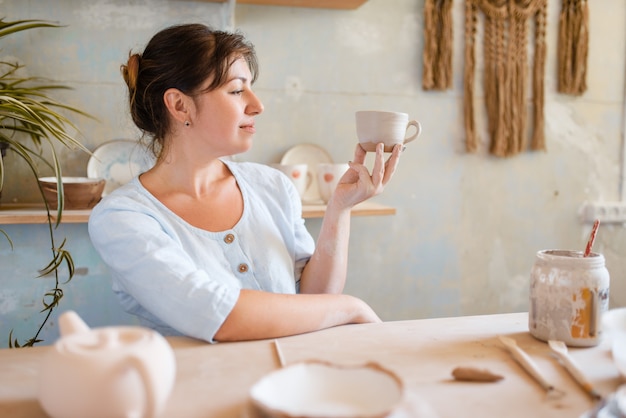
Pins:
x,y
182,280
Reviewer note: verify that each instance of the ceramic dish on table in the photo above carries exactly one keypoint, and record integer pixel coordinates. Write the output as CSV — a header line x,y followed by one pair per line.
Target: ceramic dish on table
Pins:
x,y
312,155
614,330
320,389
118,161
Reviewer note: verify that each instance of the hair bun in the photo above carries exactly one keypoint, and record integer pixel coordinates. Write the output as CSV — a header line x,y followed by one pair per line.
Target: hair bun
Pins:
x,y
130,71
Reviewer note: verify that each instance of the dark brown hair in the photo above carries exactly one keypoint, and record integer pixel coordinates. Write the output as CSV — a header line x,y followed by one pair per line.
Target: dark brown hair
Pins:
x,y
181,57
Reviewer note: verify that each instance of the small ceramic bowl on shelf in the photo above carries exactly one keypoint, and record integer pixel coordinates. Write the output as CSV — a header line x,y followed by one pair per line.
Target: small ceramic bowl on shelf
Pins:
x,y
79,192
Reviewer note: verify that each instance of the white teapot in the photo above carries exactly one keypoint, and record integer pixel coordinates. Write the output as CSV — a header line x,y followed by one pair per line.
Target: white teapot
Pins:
x,y
119,371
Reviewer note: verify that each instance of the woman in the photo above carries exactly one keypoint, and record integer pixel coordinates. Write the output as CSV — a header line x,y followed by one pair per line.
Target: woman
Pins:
x,y
209,248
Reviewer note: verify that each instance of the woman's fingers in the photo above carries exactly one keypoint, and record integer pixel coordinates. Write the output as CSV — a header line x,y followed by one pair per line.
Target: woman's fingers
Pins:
x,y
392,163
359,183
352,175
383,170
378,171
359,154
361,175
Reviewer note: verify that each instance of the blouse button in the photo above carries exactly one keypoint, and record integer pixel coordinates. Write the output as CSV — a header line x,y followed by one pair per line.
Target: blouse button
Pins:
x,y
228,239
243,267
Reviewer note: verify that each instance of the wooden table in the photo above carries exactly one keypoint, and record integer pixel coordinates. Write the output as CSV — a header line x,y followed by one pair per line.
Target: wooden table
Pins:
x,y
214,380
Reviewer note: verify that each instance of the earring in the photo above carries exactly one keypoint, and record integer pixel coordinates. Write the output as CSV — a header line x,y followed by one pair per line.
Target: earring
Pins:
x,y
187,123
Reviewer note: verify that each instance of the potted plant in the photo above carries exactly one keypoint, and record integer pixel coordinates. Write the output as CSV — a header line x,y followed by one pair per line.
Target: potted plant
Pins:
x,y
32,122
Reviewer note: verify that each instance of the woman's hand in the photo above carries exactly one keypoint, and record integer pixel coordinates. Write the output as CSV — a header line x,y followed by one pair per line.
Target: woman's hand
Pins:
x,y
357,184
326,271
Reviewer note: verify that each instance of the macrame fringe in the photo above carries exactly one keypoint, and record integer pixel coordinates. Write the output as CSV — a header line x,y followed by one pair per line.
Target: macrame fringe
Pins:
x,y
437,54
506,73
573,45
471,19
538,141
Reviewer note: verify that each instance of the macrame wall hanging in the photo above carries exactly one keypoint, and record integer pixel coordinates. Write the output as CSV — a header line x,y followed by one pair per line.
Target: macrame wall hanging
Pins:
x,y
572,47
506,68
437,55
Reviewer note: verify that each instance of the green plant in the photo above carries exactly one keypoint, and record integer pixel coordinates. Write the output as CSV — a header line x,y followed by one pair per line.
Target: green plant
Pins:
x,y
31,122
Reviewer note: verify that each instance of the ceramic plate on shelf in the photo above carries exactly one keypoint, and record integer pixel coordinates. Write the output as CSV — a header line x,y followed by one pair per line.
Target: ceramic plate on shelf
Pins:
x,y
311,155
118,161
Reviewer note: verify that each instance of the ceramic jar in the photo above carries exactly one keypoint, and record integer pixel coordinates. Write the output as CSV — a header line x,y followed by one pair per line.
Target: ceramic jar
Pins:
x,y
106,372
568,295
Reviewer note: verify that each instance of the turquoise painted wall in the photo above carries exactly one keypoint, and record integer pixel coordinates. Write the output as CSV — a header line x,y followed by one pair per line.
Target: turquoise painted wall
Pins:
x,y
467,226
88,293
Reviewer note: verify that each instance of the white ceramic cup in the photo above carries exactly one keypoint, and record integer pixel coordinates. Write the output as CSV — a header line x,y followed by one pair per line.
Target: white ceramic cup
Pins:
x,y
298,174
328,175
390,128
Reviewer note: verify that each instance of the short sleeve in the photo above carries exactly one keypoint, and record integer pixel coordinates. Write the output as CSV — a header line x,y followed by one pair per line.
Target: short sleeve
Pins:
x,y
148,261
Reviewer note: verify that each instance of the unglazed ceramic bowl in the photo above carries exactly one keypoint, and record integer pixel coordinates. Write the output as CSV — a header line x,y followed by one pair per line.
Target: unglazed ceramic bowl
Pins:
x,y
319,389
79,192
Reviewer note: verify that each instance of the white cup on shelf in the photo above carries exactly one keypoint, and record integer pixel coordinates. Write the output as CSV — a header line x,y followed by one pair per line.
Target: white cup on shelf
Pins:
x,y
328,175
298,174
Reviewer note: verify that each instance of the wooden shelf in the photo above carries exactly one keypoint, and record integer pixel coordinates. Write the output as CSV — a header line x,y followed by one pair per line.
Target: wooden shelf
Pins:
x,y
35,214
319,4
13,214
362,209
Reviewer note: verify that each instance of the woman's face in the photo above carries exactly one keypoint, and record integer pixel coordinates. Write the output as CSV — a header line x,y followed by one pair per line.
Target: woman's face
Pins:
x,y
224,117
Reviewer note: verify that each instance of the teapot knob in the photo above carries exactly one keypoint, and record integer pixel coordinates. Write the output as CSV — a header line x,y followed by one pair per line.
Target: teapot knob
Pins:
x,y
71,323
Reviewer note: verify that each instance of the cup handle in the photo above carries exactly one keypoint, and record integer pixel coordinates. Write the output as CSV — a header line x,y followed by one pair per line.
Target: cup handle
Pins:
x,y
148,384
418,130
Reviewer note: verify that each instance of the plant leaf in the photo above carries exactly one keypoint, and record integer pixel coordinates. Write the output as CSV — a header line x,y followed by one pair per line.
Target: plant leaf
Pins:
x,y
7,28
32,122
3,232
60,257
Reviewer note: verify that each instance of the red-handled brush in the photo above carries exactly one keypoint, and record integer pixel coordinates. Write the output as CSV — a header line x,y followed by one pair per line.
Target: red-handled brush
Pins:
x,y
592,237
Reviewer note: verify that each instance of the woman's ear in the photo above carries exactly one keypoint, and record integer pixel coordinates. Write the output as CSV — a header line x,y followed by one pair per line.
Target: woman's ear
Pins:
x,y
177,104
